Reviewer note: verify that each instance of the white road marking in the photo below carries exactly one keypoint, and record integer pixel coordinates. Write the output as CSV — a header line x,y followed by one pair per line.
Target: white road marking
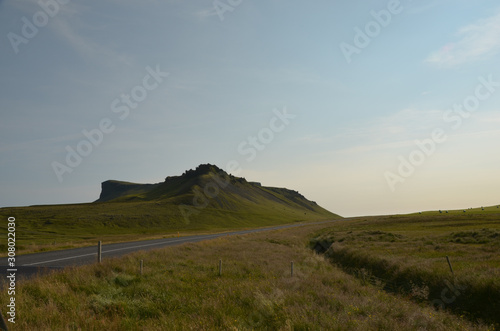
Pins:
x,y
178,240
112,250
64,258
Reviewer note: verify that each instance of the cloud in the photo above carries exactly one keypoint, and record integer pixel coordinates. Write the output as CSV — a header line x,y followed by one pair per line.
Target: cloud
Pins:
x,y
492,118
401,129
204,13
85,47
37,144
479,41
394,131
417,8
404,125
377,147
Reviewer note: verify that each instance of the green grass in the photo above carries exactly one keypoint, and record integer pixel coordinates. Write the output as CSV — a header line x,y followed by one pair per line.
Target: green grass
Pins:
x,y
410,251
40,228
202,200
181,290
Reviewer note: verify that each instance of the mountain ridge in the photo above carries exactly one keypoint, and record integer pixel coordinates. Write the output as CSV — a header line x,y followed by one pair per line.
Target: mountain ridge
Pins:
x,y
208,186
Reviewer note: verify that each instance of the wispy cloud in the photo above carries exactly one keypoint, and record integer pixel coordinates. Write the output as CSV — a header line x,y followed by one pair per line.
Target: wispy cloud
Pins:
x,y
417,8
394,131
483,125
86,48
492,118
376,147
204,13
480,40
36,144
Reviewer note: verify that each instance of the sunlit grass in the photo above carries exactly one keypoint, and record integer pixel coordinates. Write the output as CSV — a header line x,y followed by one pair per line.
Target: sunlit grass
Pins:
x,y
52,227
181,289
414,248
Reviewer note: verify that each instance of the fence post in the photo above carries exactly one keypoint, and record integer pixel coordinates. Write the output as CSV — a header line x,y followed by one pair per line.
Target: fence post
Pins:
x,y
449,263
99,252
291,269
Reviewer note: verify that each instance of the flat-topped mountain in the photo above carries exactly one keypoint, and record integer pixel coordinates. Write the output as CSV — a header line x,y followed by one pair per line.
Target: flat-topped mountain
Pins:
x,y
208,186
203,199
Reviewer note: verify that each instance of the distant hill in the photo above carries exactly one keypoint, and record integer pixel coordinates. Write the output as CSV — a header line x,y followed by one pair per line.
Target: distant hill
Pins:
x,y
209,187
203,199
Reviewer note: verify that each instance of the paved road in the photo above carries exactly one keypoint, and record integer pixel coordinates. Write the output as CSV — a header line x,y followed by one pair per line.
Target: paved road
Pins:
x,y
30,264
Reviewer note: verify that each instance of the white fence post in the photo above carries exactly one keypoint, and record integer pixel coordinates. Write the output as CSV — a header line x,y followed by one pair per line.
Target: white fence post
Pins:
x,y
99,252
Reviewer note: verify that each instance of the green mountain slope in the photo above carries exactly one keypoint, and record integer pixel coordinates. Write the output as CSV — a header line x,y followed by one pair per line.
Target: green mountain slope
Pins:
x,y
207,192
203,199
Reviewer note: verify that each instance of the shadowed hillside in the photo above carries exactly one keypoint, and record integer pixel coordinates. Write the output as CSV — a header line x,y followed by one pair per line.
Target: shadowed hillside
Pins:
x,y
208,186
208,190
203,199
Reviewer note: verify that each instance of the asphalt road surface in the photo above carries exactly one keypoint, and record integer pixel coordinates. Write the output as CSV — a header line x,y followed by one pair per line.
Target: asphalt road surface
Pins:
x,y
31,264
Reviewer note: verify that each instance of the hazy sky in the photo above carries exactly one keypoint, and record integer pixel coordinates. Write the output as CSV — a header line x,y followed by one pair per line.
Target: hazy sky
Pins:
x,y
324,97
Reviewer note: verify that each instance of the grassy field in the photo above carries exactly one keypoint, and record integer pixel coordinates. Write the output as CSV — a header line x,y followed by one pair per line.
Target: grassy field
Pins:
x,y
181,289
407,254
52,227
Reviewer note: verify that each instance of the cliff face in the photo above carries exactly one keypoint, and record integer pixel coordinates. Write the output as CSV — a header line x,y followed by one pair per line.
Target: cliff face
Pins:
x,y
113,189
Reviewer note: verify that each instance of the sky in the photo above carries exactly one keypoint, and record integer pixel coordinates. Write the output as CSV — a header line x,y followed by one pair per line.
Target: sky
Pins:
x,y
366,107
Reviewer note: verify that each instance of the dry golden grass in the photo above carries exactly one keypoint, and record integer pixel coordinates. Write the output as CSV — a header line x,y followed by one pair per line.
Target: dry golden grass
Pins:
x,y
408,252
181,290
